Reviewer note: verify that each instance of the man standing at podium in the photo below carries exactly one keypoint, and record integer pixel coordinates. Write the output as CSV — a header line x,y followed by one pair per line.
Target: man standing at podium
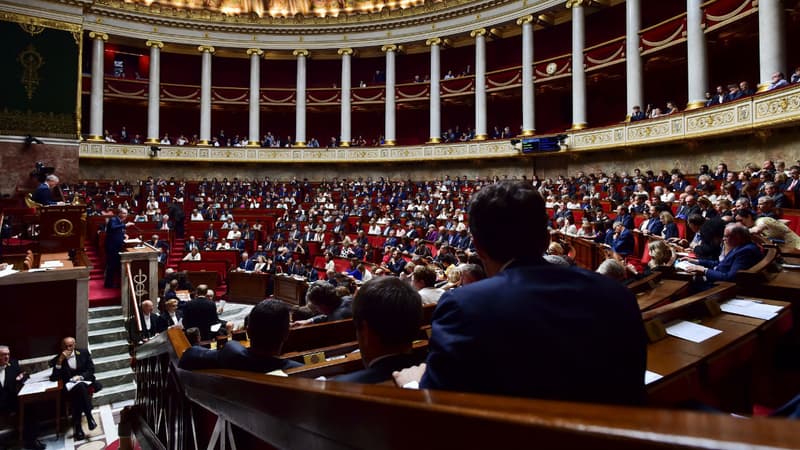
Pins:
x,y
44,193
115,237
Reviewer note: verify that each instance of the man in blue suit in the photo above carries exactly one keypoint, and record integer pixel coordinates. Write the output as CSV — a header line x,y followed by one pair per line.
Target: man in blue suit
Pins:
x,y
267,328
115,237
387,313
622,240
741,254
44,193
532,329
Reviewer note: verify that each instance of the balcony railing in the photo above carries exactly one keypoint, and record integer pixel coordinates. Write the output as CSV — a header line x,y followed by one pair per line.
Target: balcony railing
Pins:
x,y
779,108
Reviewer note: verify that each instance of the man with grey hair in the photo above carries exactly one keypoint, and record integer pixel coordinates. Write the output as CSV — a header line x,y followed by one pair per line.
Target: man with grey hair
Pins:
x,y
44,193
740,254
766,207
11,379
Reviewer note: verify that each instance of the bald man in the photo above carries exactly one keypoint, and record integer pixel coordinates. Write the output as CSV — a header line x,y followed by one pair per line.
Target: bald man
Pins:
x,y
151,322
74,368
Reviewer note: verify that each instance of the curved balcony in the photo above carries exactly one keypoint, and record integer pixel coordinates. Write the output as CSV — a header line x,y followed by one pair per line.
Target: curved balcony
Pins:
x,y
779,108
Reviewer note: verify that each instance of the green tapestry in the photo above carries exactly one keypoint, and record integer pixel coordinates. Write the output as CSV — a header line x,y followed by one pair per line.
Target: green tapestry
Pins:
x,y
39,80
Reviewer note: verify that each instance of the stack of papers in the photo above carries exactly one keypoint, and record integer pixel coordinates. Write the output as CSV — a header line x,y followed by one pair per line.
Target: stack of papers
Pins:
x,y
50,264
750,308
37,387
8,271
691,331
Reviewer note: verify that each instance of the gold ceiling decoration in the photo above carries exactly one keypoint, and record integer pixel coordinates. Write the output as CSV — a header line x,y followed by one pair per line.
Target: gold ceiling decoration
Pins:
x,y
284,8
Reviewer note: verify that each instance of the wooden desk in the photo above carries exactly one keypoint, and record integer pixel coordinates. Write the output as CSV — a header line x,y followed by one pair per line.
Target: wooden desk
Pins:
x,y
247,287
290,289
53,393
662,292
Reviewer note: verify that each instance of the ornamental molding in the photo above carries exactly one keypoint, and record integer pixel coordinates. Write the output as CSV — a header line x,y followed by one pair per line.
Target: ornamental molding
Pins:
x,y
779,108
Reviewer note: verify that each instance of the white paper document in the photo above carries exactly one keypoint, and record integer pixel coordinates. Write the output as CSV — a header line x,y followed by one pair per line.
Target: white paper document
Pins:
x,y
691,331
214,328
37,387
750,308
8,271
650,377
50,264
683,265
42,375
72,384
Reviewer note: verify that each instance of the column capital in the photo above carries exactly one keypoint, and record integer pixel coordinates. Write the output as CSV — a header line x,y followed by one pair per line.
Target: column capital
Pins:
x,y
524,20
300,52
158,44
433,41
98,35
254,51
345,51
577,3
206,48
389,48
478,32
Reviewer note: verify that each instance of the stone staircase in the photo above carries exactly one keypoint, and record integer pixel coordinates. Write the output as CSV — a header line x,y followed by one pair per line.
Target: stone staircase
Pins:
x,y
108,344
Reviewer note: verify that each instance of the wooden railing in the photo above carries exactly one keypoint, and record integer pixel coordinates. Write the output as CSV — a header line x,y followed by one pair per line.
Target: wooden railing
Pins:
x,y
213,408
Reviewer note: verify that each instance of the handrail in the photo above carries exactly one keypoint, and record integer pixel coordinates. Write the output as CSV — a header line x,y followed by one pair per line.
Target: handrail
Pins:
x,y
133,296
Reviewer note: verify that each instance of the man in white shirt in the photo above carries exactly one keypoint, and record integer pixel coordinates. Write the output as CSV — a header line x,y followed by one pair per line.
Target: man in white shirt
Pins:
x,y
423,280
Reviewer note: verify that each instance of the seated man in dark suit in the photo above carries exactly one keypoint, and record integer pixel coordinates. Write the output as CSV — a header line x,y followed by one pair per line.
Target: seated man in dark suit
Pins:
x,y
267,328
740,254
44,193
201,312
577,321
11,379
321,296
74,368
621,239
387,313
152,323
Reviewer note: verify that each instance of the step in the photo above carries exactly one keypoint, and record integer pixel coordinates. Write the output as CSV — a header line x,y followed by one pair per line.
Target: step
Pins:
x,y
113,362
104,311
107,335
115,377
115,394
100,323
111,348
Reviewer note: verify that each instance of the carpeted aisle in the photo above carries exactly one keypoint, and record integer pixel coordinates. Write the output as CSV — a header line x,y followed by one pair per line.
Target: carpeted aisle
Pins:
x,y
99,295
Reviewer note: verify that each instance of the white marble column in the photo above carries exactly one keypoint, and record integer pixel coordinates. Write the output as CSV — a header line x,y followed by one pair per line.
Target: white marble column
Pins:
x,y
96,98
480,83
579,120
154,92
255,95
633,59
771,48
345,136
696,57
435,94
300,102
528,118
205,95
390,136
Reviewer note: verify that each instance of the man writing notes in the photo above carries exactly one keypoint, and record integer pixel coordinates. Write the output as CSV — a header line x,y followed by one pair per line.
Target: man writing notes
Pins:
x,y
532,329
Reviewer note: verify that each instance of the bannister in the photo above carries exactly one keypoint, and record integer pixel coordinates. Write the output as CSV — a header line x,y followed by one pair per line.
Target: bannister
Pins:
x,y
134,299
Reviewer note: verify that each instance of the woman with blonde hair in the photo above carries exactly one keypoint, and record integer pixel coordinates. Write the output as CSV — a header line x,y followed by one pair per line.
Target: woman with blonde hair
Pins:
x,y
661,255
670,230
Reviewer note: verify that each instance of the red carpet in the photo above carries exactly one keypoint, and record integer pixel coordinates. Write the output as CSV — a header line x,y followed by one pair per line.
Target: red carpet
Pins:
x,y
102,296
98,294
